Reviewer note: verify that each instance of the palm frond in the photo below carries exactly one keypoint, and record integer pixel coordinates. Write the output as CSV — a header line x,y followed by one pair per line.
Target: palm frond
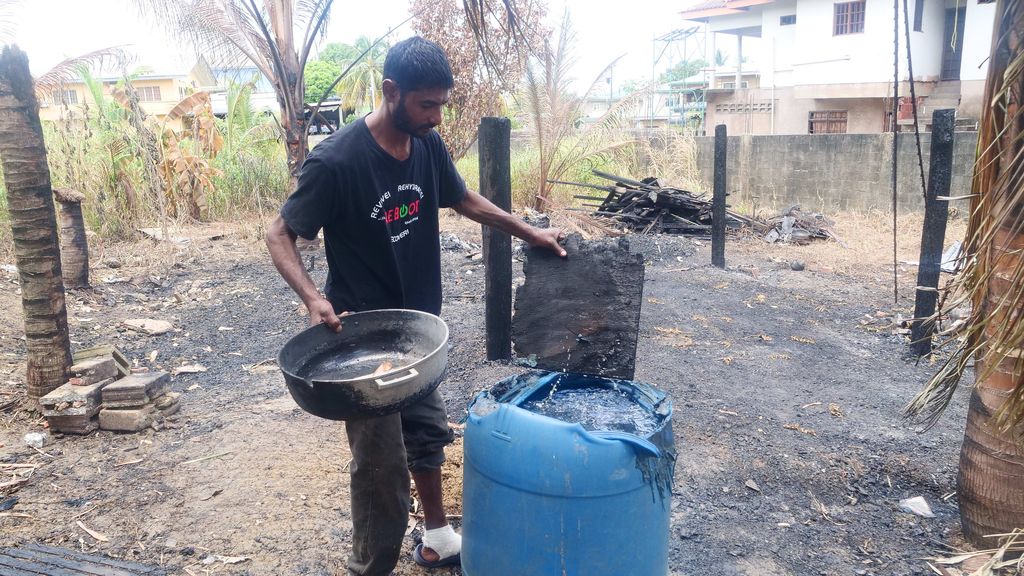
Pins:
x,y
224,32
313,14
992,278
7,9
70,69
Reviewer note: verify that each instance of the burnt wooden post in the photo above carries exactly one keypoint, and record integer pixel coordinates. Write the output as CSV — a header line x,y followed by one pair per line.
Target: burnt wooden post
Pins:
x,y
933,234
718,201
496,186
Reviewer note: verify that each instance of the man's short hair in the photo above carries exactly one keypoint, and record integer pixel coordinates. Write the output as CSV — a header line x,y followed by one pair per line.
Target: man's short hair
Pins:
x,y
416,63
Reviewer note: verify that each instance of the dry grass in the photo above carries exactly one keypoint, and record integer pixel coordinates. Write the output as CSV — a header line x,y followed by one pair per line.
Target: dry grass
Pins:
x,y
868,236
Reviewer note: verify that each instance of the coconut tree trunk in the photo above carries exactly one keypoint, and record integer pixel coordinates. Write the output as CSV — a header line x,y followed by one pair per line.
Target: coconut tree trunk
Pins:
x,y
33,226
990,484
291,89
74,246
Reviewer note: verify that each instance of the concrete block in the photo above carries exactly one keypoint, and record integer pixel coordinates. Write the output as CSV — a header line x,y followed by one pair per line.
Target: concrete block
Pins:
x,y
73,424
123,367
136,390
93,370
71,400
135,419
127,419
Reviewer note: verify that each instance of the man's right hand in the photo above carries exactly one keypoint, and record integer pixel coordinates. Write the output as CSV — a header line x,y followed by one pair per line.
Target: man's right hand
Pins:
x,y
321,311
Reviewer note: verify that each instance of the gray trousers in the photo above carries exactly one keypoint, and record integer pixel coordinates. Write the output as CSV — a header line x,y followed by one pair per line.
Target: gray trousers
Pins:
x,y
384,451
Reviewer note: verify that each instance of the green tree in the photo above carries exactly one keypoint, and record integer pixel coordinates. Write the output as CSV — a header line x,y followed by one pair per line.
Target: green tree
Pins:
x,y
336,53
360,86
319,76
682,70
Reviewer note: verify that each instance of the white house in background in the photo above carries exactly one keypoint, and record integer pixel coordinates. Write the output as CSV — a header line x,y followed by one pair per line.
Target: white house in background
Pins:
x,y
827,65
262,99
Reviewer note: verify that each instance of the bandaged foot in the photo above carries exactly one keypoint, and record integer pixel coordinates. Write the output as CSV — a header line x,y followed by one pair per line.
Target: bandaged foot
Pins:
x,y
443,541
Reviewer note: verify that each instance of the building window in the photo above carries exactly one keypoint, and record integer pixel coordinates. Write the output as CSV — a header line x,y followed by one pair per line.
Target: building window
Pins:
x,y
827,122
732,85
68,97
787,20
183,92
849,18
918,15
149,94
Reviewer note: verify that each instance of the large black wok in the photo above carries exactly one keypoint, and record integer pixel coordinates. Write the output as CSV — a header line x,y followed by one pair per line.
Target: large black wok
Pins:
x,y
331,374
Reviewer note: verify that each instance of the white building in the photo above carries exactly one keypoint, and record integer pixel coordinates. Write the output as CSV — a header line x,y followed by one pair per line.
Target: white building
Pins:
x,y
827,65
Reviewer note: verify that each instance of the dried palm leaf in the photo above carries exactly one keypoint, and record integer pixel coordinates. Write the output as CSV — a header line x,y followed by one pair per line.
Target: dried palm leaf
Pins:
x,y
992,276
70,70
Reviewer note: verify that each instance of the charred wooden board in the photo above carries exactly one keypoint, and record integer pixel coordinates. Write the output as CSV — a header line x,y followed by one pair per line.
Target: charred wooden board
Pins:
x,y
33,559
581,314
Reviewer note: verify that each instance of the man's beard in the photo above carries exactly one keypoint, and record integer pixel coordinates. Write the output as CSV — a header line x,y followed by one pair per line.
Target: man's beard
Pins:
x,y
404,123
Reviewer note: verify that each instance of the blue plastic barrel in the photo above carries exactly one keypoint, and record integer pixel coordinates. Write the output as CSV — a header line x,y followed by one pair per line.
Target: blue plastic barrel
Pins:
x,y
545,497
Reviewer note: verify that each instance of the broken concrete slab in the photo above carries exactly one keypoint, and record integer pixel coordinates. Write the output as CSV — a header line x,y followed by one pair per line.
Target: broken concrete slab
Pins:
x,y
127,419
106,350
135,419
581,314
93,370
149,325
136,390
168,403
73,424
72,400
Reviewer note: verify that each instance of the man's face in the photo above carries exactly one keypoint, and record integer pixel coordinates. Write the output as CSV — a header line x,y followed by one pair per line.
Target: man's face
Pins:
x,y
419,111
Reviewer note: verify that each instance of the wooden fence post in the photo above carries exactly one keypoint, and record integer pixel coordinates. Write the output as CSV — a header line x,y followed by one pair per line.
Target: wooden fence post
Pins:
x,y
496,186
933,234
718,200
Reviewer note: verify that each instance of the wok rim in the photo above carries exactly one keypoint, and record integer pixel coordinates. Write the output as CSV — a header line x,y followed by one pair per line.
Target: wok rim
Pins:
x,y
321,326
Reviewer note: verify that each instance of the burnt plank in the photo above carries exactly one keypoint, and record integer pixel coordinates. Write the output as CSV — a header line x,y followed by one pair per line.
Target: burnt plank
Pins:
x,y
131,567
581,314
60,562
28,567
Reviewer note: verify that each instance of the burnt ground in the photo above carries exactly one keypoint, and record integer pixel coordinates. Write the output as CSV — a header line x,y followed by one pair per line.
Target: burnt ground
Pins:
x,y
792,380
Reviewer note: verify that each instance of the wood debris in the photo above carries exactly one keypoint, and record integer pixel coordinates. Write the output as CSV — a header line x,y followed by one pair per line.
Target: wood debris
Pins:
x,y
648,207
798,227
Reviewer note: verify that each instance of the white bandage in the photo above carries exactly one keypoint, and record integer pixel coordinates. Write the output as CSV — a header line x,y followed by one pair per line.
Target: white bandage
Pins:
x,y
445,541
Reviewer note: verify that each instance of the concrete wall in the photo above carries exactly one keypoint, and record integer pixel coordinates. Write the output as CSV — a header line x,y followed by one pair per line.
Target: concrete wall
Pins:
x,y
978,27
830,172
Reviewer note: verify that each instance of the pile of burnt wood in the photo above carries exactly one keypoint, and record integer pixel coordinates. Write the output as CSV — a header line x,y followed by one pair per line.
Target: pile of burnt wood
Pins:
x,y
647,207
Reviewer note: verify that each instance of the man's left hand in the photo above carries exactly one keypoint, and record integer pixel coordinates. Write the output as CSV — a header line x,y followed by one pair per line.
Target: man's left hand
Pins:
x,y
548,238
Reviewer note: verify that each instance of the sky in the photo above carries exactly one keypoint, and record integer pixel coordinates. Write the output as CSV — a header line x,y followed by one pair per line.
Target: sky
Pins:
x,y
50,30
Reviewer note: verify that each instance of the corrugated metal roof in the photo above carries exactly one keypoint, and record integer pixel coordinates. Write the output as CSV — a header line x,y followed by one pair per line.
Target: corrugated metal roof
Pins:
x,y
707,8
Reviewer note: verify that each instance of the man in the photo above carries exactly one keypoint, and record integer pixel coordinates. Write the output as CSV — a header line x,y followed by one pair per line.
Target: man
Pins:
x,y
375,188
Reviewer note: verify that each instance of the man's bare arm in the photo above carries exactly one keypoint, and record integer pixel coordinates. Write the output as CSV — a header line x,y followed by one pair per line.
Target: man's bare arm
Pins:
x,y
281,243
479,209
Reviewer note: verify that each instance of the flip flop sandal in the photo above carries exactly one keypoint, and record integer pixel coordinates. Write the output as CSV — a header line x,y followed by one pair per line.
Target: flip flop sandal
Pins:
x,y
417,556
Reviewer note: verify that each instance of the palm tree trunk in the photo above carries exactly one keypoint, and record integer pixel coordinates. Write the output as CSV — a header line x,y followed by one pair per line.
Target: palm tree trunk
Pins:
x,y
34,226
74,245
990,484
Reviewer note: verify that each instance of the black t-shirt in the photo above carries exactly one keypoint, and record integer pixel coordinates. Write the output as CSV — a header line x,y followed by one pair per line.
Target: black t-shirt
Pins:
x,y
379,217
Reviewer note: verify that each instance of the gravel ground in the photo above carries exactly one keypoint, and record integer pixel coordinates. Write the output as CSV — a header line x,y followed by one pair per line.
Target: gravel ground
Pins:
x,y
792,380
